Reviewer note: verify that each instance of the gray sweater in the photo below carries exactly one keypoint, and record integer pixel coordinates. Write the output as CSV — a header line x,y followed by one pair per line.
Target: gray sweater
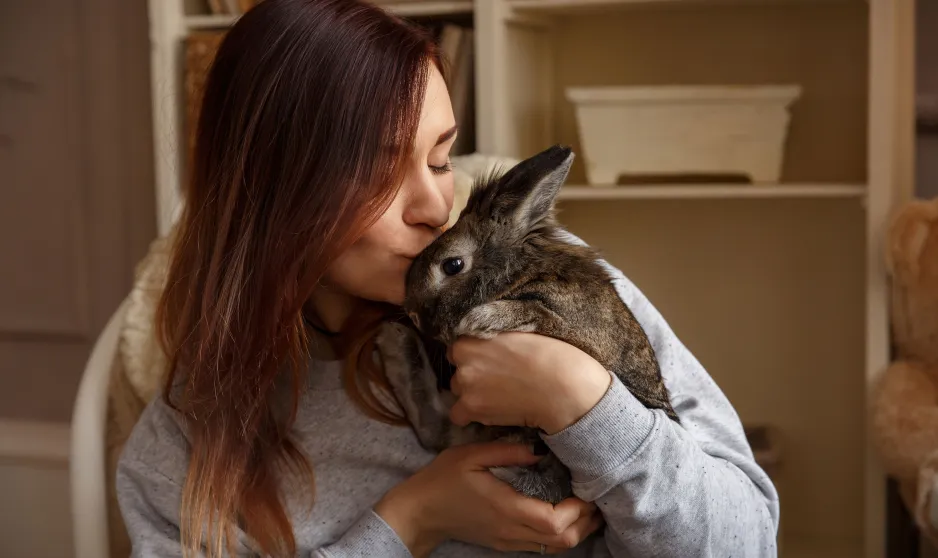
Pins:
x,y
684,491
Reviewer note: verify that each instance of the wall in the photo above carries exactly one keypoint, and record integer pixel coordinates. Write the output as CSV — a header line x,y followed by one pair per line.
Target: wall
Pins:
x,y
926,74
35,513
926,148
77,197
76,213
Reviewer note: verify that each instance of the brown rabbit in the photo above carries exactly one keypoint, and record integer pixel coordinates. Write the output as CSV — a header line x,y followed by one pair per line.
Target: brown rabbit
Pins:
x,y
505,266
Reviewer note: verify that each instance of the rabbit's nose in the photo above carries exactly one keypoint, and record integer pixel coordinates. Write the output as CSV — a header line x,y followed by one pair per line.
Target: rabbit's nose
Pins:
x,y
414,318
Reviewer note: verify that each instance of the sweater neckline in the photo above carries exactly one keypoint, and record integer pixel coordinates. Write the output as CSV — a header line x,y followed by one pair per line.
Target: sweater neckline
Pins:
x,y
325,375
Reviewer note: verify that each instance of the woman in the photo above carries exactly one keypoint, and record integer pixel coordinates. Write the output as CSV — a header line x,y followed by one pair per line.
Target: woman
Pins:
x,y
320,170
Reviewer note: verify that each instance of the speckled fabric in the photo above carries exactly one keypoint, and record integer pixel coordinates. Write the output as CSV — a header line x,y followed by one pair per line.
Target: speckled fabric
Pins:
x,y
683,491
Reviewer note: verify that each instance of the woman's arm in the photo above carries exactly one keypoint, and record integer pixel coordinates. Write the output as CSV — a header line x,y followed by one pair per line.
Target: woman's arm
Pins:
x,y
149,503
149,488
665,489
455,496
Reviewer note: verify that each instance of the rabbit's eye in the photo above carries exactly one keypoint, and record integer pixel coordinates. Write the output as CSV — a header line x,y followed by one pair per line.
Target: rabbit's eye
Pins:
x,y
452,266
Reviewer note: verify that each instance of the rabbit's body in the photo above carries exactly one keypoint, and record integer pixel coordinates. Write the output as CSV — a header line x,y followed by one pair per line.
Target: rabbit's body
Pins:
x,y
516,272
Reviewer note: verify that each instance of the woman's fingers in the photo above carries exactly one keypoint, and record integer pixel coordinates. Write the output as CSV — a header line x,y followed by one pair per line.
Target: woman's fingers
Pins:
x,y
546,518
554,544
463,412
520,546
522,523
462,347
570,537
575,506
455,384
574,535
557,527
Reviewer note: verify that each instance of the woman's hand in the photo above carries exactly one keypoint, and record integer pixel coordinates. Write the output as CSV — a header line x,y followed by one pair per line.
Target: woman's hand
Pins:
x,y
524,379
456,497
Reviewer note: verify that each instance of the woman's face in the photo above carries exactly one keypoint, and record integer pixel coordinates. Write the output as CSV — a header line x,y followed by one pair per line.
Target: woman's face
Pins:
x,y
374,267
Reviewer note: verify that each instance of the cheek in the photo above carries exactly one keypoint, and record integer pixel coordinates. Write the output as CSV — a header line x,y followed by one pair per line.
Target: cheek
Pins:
x,y
369,257
369,270
375,243
448,189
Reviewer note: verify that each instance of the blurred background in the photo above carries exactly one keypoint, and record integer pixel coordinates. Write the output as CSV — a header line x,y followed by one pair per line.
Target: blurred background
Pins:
x,y
737,159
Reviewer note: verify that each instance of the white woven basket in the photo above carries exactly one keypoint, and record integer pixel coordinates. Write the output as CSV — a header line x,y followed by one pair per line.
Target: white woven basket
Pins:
x,y
677,130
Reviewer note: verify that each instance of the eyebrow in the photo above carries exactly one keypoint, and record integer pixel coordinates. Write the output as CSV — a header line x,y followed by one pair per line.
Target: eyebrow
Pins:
x,y
445,136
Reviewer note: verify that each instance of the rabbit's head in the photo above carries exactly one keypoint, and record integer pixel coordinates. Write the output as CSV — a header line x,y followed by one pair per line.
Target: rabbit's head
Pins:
x,y
479,256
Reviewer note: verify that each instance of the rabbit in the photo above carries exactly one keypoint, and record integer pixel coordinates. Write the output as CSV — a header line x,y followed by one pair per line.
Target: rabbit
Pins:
x,y
504,266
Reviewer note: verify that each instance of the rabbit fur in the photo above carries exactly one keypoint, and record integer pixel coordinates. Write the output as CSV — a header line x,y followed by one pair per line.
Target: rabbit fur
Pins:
x,y
515,272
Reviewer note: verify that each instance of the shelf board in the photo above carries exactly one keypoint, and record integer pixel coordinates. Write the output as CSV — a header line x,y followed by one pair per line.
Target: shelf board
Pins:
x,y
427,9
405,9
210,21
800,547
567,6
711,191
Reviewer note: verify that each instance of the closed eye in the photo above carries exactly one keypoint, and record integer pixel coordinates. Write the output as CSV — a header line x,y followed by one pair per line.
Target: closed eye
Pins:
x,y
448,167
446,137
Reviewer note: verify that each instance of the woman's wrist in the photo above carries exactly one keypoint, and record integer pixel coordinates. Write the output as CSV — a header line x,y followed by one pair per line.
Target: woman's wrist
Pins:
x,y
581,390
402,510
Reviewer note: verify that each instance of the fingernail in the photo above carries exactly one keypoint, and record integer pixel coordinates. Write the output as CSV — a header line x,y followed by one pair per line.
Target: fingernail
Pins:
x,y
540,448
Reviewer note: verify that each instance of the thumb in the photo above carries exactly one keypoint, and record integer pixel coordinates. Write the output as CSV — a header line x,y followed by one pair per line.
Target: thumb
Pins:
x,y
458,414
572,509
501,454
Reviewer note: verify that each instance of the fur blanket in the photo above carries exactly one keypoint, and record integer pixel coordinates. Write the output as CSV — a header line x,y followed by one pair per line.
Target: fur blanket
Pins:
x,y
139,367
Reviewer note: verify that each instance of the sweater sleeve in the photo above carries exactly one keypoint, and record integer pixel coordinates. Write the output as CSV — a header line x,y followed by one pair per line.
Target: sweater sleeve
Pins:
x,y
666,489
149,491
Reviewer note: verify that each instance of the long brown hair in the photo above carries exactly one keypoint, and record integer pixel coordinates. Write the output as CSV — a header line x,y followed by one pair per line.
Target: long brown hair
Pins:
x,y
309,110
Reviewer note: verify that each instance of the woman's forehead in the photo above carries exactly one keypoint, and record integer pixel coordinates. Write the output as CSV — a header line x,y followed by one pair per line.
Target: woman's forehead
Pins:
x,y
436,116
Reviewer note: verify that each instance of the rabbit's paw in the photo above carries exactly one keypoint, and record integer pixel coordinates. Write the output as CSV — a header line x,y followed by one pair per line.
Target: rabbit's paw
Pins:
x,y
490,319
401,355
533,483
414,384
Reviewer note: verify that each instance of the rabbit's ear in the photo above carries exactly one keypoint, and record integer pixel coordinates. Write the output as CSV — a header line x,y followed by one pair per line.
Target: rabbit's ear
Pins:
x,y
527,192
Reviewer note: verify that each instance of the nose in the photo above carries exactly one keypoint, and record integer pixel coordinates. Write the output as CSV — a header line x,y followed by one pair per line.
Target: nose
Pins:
x,y
429,199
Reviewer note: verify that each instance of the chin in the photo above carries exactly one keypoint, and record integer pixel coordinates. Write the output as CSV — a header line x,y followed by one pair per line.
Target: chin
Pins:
x,y
386,287
392,295
393,299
